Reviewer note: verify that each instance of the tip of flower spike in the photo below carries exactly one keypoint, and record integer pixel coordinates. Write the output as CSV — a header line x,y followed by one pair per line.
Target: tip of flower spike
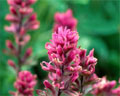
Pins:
x,y
65,19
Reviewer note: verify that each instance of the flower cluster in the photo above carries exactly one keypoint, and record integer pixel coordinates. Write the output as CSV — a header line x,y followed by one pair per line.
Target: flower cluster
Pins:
x,y
25,84
65,20
71,71
105,88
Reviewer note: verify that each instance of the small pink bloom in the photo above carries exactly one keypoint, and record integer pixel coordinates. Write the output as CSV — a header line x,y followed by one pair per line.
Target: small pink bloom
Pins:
x,y
104,87
86,62
11,18
23,40
11,28
25,83
47,67
25,11
65,20
11,2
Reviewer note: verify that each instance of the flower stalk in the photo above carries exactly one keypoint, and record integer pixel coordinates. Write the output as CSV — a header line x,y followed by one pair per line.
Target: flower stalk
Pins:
x,y
22,19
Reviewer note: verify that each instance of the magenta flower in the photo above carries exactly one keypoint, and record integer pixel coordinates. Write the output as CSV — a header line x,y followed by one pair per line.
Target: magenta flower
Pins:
x,y
105,88
25,83
86,62
65,20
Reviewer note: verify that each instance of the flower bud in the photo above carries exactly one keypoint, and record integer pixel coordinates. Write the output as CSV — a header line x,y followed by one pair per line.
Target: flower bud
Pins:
x,y
11,18
32,17
11,28
22,31
49,86
9,45
13,10
11,63
11,2
28,52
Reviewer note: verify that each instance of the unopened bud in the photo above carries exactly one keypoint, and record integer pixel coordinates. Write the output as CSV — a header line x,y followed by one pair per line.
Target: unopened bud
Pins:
x,y
28,52
49,86
22,31
9,44
32,17
13,11
11,63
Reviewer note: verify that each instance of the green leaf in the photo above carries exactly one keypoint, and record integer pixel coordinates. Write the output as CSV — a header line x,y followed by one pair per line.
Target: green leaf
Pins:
x,y
89,42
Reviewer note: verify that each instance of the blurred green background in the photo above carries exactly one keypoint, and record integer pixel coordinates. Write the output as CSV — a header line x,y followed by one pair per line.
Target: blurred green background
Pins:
x,y
98,27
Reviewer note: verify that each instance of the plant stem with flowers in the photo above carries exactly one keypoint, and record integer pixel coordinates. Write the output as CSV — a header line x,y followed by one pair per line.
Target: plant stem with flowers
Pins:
x,y
70,70
22,19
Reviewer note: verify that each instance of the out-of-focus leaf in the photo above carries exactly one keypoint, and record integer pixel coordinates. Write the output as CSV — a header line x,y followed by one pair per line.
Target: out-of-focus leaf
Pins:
x,y
95,18
90,42
80,1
